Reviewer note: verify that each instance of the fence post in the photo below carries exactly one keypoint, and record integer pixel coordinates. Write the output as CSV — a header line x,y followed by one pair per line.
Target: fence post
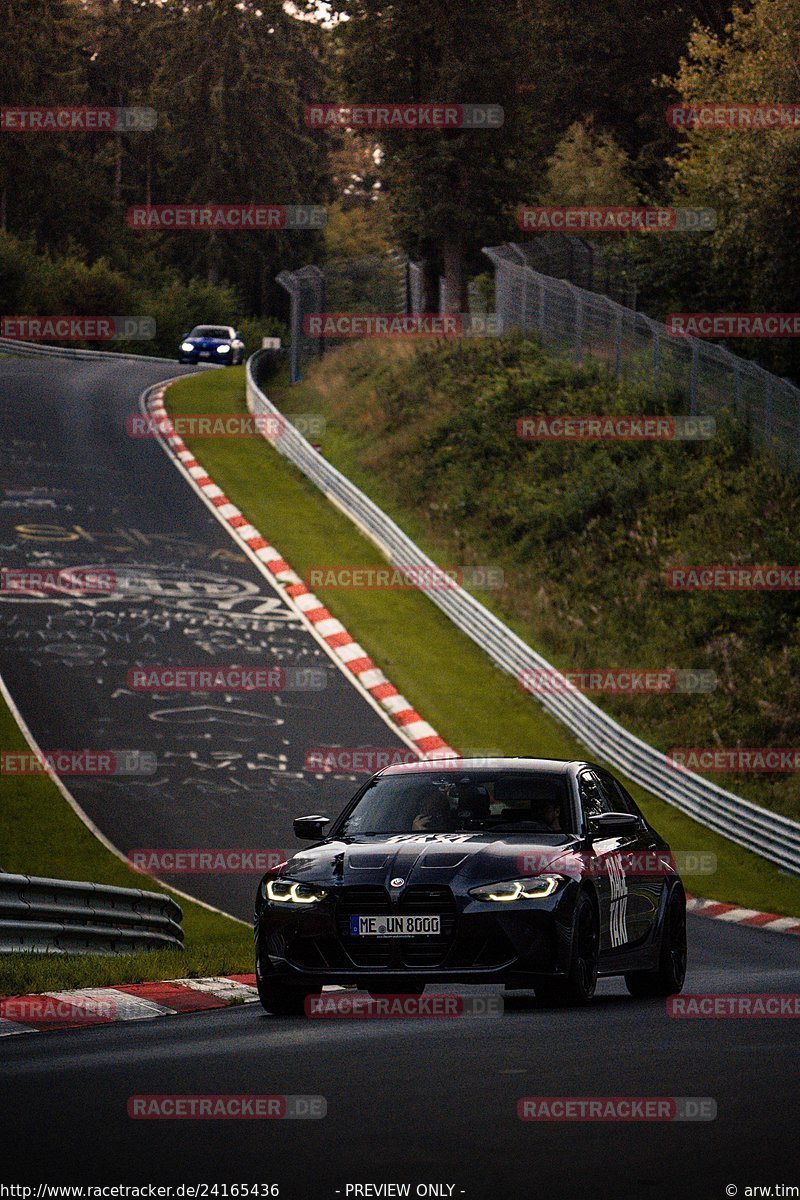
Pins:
x,y
578,326
323,307
656,352
768,411
693,379
288,281
618,343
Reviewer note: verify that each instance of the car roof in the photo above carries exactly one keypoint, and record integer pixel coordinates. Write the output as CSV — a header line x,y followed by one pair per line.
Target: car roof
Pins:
x,y
553,766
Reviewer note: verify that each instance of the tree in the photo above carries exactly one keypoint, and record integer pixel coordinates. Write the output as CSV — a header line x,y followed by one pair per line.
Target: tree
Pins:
x,y
451,190
749,176
597,62
588,168
41,63
231,86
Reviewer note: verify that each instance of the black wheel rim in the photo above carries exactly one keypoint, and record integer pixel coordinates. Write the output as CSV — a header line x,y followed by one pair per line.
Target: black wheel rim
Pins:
x,y
586,960
677,940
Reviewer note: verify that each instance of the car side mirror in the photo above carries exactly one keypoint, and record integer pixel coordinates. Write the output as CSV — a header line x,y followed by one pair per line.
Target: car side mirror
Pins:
x,y
311,829
614,824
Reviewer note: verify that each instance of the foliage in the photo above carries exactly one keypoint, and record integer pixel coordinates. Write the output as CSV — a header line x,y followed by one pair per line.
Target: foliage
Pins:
x,y
46,285
588,168
751,262
585,532
228,82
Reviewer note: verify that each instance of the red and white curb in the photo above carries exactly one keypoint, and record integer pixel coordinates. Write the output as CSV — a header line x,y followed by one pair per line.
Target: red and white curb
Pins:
x,y
85,1007
340,645
82,1007
736,915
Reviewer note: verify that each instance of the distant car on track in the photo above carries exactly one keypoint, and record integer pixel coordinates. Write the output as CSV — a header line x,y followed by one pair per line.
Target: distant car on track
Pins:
x,y
212,343
535,873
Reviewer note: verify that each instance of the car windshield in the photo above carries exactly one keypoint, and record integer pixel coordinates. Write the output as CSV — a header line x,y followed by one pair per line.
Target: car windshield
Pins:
x,y
524,802
211,331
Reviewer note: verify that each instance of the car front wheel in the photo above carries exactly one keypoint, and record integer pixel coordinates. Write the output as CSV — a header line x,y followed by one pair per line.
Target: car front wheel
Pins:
x,y
578,986
280,999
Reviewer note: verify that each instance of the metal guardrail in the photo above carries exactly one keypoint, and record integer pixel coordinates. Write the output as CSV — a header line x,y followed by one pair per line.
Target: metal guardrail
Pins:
x,y
59,916
38,350
769,834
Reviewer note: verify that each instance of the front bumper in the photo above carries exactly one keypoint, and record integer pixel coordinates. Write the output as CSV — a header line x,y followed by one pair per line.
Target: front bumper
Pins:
x,y
205,356
479,941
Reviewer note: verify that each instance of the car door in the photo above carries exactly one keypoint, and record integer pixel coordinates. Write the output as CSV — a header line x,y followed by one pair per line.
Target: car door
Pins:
x,y
649,868
607,864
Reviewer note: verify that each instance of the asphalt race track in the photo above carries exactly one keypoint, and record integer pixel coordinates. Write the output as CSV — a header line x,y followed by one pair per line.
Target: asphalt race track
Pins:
x,y
423,1102
79,491
429,1101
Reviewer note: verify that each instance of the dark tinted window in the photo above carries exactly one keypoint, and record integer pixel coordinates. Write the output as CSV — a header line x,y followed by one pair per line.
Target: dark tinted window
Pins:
x,y
461,802
619,798
594,799
210,331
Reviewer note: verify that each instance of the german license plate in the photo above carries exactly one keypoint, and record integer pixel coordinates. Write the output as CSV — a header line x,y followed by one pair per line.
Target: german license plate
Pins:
x,y
395,926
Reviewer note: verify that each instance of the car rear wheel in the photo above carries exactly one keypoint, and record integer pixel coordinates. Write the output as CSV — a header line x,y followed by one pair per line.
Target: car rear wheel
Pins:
x,y
667,978
280,999
578,986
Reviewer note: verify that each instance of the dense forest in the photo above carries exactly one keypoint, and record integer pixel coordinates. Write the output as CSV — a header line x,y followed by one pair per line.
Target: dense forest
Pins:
x,y
584,90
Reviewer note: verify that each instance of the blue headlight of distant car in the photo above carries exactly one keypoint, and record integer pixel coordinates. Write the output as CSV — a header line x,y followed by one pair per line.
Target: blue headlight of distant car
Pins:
x,y
510,890
187,347
223,349
288,891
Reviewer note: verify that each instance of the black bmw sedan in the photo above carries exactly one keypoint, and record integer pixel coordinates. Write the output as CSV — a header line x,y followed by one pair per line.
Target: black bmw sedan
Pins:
x,y
536,873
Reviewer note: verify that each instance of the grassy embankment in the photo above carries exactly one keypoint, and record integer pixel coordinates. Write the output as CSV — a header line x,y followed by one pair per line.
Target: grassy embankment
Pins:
x,y
401,459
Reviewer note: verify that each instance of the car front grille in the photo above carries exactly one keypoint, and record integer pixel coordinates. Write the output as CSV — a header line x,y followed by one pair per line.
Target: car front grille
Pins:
x,y
419,950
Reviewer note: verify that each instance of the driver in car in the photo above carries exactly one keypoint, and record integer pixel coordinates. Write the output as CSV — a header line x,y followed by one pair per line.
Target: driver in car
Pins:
x,y
433,815
550,816
540,814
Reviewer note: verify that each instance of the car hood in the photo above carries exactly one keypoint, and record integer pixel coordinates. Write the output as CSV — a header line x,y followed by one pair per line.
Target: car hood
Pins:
x,y
452,859
208,343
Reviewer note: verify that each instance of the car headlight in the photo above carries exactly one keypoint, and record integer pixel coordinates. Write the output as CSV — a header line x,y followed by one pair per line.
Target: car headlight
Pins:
x,y
223,349
187,347
288,891
517,889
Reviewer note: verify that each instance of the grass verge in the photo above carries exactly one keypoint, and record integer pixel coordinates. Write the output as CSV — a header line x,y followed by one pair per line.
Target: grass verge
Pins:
x,y
42,835
472,704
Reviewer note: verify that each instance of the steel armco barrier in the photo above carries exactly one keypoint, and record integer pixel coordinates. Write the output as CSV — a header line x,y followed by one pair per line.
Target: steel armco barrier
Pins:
x,y
769,834
20,349
58,916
